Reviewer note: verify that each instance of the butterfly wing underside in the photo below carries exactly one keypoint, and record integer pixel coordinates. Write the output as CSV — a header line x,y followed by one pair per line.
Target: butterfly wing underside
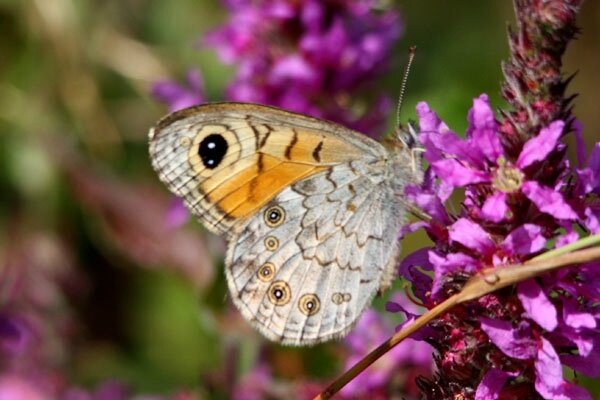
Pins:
x,y
305,204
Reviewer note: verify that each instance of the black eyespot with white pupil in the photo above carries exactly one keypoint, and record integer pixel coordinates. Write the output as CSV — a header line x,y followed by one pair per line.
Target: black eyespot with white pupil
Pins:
x,y
212,150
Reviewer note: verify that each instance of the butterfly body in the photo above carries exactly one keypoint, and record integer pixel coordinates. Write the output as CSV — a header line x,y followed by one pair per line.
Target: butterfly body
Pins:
x,y
310,208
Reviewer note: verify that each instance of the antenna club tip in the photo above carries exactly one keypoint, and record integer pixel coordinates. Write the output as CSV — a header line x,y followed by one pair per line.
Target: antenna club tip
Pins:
x,y
412,50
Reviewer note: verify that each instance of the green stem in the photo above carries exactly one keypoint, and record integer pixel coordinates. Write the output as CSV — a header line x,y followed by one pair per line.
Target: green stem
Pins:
x,y
580,244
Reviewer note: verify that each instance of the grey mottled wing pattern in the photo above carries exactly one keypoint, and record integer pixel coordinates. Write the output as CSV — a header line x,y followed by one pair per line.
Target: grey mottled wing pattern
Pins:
x,y
308,277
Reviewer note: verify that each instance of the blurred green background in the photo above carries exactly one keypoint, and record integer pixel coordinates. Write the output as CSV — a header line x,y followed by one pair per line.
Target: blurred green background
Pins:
x,y
146,305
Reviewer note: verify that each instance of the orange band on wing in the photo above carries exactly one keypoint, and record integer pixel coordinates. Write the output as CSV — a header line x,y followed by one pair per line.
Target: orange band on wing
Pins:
x,y
254,187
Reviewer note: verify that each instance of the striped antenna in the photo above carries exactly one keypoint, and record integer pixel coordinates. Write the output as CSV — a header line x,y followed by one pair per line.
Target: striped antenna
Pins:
x,y
411,55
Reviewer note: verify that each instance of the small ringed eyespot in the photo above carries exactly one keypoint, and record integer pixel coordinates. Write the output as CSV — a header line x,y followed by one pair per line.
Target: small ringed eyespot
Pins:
x,y
309,304
337,298
266,273
274,216
271,243
279,293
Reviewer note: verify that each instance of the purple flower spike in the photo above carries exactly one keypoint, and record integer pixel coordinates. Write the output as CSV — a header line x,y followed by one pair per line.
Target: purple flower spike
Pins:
x,y
519,196
295,54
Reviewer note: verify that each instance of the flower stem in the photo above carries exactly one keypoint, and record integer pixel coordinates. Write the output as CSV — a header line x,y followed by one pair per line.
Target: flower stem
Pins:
x,y
580,244
486,282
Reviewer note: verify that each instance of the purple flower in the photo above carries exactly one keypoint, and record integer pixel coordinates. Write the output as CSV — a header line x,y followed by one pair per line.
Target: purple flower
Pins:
x,y
481,159
518,197
313,57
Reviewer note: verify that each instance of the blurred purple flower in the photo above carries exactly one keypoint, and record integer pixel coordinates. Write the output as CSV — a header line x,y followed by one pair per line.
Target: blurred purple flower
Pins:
x,y
518,197
177,214
177,96
408,360
255,385
313,57
14,387
37,277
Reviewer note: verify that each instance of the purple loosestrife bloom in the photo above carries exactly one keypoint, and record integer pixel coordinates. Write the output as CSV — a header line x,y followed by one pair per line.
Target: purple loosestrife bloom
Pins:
x,y
313,57
517,198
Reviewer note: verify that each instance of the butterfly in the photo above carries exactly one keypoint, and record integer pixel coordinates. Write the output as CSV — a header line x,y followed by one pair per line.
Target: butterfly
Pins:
x,y
311,210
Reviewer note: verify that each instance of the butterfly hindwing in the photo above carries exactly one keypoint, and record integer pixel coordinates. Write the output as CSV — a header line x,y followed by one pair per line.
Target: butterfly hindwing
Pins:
x,y
305,275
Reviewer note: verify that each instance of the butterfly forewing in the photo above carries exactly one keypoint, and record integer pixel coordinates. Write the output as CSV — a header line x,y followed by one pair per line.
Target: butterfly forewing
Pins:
x,y
227,160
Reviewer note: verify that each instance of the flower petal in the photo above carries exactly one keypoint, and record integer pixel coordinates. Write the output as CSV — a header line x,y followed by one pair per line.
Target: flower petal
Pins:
x,y
449,264
471,235
492,383
548,369
537,305
420,280
575,318
450,144
570,236
548,200
514,342
588,365
455,173
429,120
495,208
591,221
483,129
594,166
428,202
293,68
538,147
526,239
549,381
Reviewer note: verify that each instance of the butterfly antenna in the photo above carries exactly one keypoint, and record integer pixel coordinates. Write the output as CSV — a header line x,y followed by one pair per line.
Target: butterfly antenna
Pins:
x,y
411,55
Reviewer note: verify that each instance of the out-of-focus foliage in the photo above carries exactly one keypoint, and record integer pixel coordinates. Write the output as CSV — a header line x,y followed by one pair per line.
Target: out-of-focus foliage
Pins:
x,y
90,263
